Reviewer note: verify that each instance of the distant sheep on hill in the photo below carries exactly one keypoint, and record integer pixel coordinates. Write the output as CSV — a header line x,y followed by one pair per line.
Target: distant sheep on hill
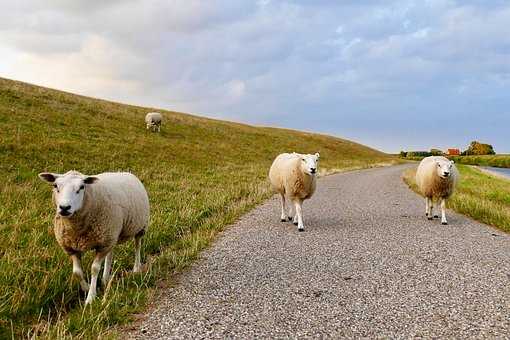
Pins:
x,y
153,121
292,175
98,212
436,178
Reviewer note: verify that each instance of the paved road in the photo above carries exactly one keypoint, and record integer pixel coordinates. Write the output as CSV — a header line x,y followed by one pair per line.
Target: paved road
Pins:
x,y
368,265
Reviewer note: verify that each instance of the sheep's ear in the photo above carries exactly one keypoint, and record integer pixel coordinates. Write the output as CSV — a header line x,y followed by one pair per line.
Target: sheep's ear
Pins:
x,y
318,155
452,161
90,180
48,177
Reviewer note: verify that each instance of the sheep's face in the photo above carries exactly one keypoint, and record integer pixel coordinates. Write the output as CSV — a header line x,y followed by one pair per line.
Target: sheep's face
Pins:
x,y
68,190
444,168
310,163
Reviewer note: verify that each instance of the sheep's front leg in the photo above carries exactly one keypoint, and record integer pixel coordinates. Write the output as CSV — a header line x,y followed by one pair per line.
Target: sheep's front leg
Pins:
x,y
78,272
297,206
138,258
107,268
443,211
96,267
427,206
431,207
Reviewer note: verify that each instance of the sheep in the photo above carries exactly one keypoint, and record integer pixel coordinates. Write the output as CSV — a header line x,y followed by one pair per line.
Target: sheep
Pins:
x,y
293,175
436,177
153,121
98,212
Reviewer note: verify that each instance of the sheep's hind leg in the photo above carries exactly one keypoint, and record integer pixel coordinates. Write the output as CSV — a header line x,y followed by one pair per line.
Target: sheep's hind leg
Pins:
x,y
78,272
283,217
291,212
95,269
297,205
443,212
138,248
427,206
107,268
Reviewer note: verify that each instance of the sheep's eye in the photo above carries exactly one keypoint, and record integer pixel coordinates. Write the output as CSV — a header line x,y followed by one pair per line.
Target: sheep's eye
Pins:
x,y
81,188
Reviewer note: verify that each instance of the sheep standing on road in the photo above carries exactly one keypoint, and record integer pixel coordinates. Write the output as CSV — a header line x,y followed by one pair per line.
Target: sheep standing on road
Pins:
x,y
98,212
293,176
436,178
153,121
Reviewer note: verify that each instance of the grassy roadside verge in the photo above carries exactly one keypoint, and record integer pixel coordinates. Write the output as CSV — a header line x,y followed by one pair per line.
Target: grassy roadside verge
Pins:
x,y
201,175
480,196
499,161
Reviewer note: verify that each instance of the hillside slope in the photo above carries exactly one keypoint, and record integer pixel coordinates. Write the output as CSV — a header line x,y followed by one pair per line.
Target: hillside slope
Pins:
x,y
201,174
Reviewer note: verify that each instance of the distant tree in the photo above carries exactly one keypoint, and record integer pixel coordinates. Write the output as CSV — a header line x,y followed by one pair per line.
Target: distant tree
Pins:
x,y
436,152
418,154
403,154
477,148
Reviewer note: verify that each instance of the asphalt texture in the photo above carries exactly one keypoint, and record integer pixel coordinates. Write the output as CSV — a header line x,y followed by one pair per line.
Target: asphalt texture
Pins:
x,y
369,265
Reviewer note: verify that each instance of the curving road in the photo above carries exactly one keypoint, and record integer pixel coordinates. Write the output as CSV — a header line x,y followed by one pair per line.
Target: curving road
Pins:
x,y
368,265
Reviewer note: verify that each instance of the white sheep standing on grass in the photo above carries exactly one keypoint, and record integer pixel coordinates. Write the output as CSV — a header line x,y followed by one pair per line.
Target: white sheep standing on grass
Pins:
x,y
98,212
293,176
436,178
153,121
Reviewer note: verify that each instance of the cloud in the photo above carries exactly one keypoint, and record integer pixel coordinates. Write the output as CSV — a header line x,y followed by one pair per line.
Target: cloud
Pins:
x,y
394,74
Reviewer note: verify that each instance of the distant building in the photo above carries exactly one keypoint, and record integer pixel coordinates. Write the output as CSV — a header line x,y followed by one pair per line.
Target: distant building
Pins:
x,y
453,152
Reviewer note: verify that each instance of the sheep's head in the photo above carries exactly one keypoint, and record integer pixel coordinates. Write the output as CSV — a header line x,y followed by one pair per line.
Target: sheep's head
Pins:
x,y
309,163
444,168
68,190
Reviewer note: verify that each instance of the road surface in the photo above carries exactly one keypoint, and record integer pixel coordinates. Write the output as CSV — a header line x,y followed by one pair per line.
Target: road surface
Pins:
x,y
368,265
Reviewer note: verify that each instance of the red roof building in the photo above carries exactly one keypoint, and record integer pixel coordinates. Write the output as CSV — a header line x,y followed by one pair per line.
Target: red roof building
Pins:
x,y
453,152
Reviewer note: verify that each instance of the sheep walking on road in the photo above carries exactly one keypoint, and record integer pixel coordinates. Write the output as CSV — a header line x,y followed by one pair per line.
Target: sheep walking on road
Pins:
x,y
293,176
436,178
153,121
98,212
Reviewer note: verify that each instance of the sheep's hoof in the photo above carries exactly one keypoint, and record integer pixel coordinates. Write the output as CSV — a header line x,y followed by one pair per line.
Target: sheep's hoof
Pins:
x,y
430,218
295,223
89,300
444,223
301,229
435,216
283,220
289,218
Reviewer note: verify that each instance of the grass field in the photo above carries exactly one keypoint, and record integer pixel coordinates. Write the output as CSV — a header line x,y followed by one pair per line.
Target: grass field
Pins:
x,y
483,197
201,175
499,161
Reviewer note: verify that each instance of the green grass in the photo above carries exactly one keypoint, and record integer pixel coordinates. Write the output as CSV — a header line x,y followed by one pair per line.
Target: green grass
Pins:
x,y
201,175
499,161
480,196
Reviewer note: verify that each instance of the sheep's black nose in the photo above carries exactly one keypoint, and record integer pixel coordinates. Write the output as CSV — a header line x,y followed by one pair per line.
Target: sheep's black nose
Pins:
x,y
64,207
312,170
446,174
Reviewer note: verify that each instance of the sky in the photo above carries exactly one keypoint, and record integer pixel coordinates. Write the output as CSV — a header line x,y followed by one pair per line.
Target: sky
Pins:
x,y
394,75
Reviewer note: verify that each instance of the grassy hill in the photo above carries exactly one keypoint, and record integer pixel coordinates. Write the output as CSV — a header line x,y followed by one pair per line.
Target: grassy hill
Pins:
x,y
201,174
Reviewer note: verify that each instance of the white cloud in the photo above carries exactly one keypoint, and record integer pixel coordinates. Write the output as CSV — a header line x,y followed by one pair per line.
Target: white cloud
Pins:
x,y
273,62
